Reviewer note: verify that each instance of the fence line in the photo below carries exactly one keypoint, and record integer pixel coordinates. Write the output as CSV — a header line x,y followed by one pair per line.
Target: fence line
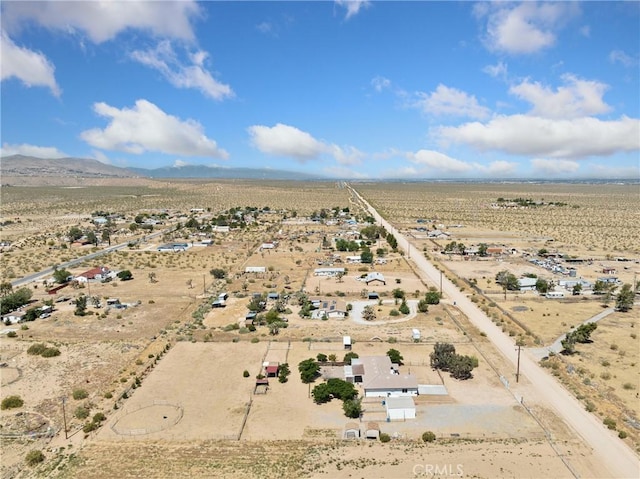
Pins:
x,y
244,420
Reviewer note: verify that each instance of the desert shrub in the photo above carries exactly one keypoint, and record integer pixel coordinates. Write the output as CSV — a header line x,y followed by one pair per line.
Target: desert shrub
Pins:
x,y
36,349
590,407
428,436
99,417
255,340
628,386
81,412
90,426
394,312
622,434
605,363
108,395
384,437
245,374
34,457
50,352
12,334
80,394
610,423
11,402
605,376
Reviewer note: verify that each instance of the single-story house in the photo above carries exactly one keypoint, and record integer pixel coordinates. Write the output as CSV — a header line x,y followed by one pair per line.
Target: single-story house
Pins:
x,y
438,234
352,430
527,284
494,250
328,271
608,279
269,245
329,308
400,408
374,276
372,431
13,317
609,270
98,273
554,294
380,378
220,229
255,269
354,259
173,247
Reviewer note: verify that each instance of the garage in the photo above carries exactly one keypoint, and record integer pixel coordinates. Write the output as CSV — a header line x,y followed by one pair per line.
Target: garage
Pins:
x,y
400,408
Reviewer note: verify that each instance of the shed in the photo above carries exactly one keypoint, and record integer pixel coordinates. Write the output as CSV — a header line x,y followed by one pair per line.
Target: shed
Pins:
x,y
373,295
372,431
400,408
351,430
415,334
346,342
272,370
273,296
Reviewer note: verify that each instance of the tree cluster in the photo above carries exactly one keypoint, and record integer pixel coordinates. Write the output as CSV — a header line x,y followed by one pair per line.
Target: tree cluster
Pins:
x,y
581,334
444,357
13,301
507,280
339,389
309,369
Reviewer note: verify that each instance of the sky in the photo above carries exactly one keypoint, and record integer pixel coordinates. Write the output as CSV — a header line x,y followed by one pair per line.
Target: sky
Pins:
x,y
344,89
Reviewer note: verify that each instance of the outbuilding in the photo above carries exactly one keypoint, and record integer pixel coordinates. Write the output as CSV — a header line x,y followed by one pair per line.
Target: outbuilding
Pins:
x,y
373,431
352,431
400,408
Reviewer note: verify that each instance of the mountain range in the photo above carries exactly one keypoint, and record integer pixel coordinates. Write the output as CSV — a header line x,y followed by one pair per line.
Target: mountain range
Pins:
x,y
21,166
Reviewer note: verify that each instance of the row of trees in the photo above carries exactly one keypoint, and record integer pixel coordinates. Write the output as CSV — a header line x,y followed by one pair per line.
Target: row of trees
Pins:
x,y
581,335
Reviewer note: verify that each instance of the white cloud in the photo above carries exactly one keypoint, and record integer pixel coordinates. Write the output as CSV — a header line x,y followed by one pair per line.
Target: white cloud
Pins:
x,y
450,101
618,56
145,127
32,68
104,20
576,98
48,152
101,157
264,27
435,160
380,83
353,6
526,28
499,168
289,141
554,167
285,140
585,31
179,163
194,75
546,137
498,70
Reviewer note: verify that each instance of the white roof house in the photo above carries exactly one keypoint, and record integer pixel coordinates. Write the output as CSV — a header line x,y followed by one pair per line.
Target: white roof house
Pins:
x,y
381,378
374,276
328,271
527,284
255,269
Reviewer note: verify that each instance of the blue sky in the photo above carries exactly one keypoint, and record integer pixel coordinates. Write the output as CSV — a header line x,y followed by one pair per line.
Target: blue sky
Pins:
x,y
348,89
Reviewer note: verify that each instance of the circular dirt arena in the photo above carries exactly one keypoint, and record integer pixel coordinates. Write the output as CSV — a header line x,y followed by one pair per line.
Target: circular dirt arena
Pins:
x,y
148,419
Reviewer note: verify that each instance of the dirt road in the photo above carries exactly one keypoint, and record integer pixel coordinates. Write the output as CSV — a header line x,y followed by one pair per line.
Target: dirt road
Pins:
x,y
611,452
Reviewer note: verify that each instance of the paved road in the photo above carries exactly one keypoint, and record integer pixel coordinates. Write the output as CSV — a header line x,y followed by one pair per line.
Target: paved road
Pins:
x,y
610,451
70,264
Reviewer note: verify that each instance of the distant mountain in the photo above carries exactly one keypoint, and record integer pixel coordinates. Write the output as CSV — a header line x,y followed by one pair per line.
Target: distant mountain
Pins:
x,y
203,171
29,166
20,166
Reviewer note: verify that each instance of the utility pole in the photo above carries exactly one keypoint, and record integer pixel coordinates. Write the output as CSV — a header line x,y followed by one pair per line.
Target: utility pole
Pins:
x,y
64,417
441,283
204,284
518,365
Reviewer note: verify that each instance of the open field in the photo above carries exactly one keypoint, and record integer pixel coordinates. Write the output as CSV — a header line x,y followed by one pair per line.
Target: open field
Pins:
x,y
178,358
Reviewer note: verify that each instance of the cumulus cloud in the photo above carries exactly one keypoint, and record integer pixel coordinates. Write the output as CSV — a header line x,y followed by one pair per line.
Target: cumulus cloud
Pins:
x,y
450,101
498,70
440,162
546,137
353,7
619,56
289,141
101,21
31,68
380,83
499,168
179,163
192,75
145,127
554,167
525,28
48,152
577,97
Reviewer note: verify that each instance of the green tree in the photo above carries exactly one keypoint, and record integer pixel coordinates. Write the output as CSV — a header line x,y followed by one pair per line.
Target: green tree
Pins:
x,y
428,436
74,234
283,373
81,306
321,393
5,288
349,356
395,356
34,457
577,289
432,296
461,367
366,256
398,293
482,249
352,408
507,280
368,313
442,356
583,332
321,357
92,238
624,299
13,301
218,273
125,275
568,344
60,275
309,370
404,307
542,286
423,306
11,402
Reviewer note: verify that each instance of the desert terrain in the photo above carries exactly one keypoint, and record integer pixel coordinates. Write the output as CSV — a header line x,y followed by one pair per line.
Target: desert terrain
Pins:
x,y
166,371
